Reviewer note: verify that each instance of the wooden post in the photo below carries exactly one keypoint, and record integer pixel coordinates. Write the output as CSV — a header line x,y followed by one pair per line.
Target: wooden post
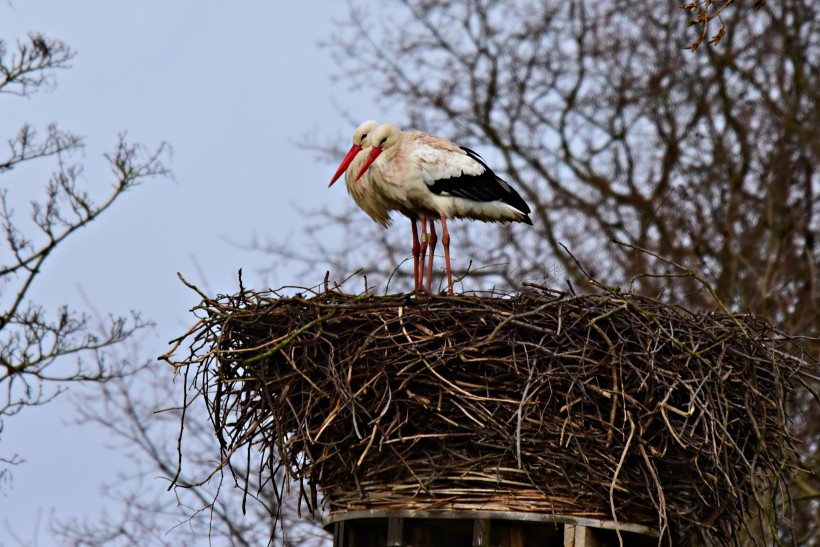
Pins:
x,y
339,534
512,536
481,533
395,531
579,536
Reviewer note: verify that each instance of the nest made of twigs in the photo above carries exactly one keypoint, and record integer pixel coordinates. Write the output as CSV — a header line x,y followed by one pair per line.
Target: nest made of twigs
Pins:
x,y
609,406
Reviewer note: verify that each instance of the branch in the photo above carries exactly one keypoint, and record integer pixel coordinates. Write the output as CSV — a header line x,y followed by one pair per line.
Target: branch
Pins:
x,y
31,340
31,64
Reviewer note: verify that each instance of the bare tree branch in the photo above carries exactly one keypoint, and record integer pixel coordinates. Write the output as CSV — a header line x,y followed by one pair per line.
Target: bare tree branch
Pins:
x,y
31,339
31,64
41,350
134,413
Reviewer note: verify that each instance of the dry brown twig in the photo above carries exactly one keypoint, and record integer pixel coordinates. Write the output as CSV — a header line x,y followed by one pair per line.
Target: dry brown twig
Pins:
x,y
704,12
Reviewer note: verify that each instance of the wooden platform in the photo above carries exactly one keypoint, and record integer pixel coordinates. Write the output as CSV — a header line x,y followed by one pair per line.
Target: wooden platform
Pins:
x,y
480,529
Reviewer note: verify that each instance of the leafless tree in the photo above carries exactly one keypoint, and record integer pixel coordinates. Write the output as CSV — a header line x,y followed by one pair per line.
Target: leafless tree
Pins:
x,y
652,163
168,499
40,349
697,162
613,130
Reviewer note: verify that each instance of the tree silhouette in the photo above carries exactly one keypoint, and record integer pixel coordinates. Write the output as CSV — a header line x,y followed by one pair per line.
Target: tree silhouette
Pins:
x,y
651,159
33,339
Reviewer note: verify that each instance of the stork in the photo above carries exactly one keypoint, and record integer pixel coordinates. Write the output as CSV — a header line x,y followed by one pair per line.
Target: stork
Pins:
x,y
433,176
371,199
362,191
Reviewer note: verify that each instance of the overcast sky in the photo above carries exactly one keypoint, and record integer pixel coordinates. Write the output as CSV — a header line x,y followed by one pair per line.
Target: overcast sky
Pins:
x,y
233,88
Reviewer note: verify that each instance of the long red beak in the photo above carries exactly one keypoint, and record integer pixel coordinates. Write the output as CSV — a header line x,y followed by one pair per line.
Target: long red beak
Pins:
x,y
374,153
355,149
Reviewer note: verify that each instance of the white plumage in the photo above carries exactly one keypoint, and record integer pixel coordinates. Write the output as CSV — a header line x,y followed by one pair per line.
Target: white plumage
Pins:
x,y
421,174
370,197
362,191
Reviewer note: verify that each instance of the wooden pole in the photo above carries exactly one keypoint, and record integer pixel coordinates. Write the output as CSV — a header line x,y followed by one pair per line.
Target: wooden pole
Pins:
x,y
395,531
579,536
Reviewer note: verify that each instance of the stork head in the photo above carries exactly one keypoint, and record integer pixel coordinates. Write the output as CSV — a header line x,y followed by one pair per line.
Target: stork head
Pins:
x,y
382,138
360,136
360,140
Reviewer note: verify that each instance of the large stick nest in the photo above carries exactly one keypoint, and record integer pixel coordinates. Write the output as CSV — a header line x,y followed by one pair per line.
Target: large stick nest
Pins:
x,y
608,406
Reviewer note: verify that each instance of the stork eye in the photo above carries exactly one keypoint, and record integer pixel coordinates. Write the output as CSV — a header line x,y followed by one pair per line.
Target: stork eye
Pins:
x,y
384,140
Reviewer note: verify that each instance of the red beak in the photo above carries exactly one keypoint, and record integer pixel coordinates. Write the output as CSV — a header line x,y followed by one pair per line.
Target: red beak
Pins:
x,y
374,153
355,149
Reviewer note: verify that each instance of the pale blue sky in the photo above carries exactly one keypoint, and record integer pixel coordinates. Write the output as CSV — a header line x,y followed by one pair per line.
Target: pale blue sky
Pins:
x,y
232,87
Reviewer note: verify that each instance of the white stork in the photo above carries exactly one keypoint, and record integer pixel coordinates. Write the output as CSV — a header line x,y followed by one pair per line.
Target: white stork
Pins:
x,y
429,175
362,191
369,196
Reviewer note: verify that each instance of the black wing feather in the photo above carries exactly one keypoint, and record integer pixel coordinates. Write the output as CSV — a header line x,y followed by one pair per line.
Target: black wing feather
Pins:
x,y
486,186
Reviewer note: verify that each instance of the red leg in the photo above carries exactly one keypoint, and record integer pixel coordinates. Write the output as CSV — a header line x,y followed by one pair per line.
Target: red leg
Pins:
x,y
433,240
445,240
416,249
424,244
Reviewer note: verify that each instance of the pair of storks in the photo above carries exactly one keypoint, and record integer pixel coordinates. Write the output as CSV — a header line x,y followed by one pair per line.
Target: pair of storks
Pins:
x,y
423,177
